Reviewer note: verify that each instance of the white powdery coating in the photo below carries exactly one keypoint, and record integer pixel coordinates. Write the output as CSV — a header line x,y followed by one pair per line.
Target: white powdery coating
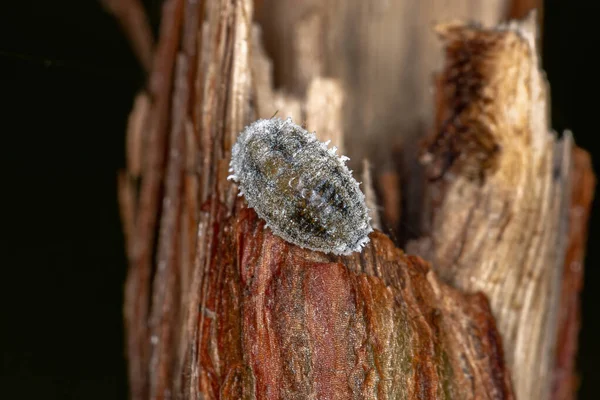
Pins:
x,y
304,192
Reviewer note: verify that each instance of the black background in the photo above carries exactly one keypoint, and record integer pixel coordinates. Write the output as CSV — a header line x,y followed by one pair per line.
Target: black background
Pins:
x,y
67,81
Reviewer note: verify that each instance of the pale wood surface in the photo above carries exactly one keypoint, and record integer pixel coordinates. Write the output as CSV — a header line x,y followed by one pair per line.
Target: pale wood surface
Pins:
x,y
498,220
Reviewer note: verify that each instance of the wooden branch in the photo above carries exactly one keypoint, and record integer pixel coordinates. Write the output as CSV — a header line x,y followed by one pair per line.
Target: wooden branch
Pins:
x,y
218,307
146,211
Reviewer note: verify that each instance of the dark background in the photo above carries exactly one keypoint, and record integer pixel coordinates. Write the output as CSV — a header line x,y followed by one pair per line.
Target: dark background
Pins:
x,y
67,81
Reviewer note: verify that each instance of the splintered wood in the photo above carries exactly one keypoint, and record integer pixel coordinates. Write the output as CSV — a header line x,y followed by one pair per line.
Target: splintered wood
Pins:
x,y
499,194
217,307
383,53
228,310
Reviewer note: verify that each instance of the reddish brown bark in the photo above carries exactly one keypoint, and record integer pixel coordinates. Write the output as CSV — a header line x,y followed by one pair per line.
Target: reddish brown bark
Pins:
x,y
283,322
583,183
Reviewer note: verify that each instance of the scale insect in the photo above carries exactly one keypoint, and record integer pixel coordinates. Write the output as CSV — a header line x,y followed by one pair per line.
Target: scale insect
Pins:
x,y
300,187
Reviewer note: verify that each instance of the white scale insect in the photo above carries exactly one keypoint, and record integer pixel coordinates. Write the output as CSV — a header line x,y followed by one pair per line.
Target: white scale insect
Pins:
x,y
304,192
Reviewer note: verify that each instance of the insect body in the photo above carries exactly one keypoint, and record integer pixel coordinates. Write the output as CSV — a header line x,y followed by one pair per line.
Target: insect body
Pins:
x,y
304,192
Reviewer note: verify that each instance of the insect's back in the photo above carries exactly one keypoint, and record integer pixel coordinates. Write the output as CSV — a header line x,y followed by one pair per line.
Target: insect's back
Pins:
x,y
301,189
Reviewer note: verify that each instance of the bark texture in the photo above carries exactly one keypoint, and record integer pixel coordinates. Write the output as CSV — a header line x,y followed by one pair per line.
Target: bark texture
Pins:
x,y
583,183
217,307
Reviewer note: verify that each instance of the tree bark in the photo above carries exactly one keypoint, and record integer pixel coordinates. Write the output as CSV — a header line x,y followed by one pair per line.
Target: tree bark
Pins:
x,y
218,307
